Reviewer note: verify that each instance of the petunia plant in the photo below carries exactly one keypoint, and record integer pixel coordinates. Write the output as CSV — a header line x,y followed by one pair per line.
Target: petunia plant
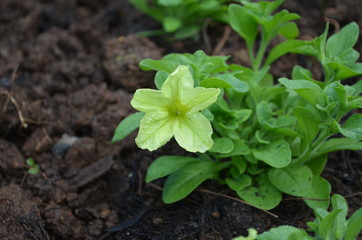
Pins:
x,y
267,137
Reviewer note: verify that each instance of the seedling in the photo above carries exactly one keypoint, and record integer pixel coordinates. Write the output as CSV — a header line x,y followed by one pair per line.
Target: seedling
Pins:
x,y
268,137
326,226
33,166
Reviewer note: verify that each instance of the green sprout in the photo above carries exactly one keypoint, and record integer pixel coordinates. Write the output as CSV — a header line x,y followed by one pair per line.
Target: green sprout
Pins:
x,y
33,166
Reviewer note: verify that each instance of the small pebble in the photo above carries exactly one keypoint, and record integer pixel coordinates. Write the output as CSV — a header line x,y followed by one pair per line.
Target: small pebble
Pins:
x,y
157,221
215,214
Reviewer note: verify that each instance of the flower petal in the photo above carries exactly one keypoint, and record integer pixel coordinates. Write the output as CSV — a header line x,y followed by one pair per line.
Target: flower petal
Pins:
x,y
155,131
199,98
149,100
177,83
193,132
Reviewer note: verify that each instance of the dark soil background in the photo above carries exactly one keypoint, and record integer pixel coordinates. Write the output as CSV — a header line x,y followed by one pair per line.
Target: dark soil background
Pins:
x,y
67,73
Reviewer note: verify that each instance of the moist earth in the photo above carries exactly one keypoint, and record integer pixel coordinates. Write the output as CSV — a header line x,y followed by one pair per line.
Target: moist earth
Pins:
x,y
68,70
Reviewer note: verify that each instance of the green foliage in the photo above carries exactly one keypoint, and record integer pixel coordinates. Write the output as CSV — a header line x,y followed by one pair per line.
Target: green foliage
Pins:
x,y
182,18
33,166
326,226
269,137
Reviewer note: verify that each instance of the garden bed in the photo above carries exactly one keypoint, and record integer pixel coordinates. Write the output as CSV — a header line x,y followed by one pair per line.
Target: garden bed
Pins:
x,y
68,70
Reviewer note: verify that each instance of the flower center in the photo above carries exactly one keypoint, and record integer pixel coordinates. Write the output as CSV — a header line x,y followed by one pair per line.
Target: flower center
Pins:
x,y
177,111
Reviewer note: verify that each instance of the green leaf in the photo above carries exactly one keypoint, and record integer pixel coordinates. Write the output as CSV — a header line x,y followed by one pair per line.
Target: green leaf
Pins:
x,y
160,78
319,194
158,65
240,148
182,182
171,24
263,112
285,47
352,128
143,6
354,226
293,180
357,87
222,145
225,81
261,193
240,163
238,184
243,22
30,162
308,122
167,165
344,71
305,74
338,144
127,125
284,233
277,154
311,92
317,164
342,41
186,32
169,3
289,30
326,226
338,202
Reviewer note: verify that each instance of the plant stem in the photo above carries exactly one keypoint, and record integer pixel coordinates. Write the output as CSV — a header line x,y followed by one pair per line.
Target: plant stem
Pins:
x,y
260,55
312,148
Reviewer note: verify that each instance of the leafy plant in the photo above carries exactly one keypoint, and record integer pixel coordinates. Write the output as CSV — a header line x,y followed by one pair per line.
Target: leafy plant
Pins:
x,y
326,226
182,18
268,138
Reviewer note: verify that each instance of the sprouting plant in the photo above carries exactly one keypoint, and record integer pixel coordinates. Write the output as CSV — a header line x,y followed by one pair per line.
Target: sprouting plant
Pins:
x,y
269,137
33,166
182,18
331,225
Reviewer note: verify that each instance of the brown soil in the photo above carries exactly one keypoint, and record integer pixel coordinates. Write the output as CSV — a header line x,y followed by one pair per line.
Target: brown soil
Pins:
x,y
67,73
